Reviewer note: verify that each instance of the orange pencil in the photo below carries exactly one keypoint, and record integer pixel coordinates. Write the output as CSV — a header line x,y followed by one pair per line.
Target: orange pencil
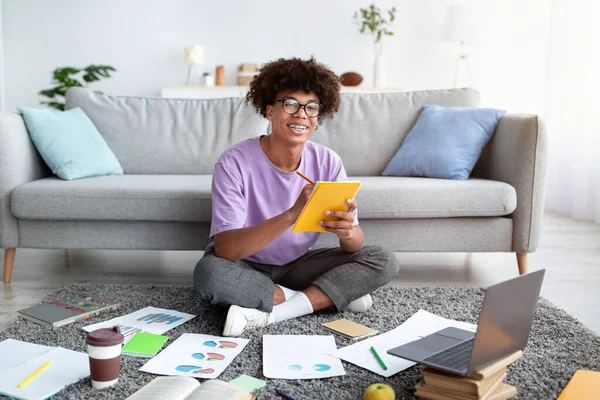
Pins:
x,y
304,176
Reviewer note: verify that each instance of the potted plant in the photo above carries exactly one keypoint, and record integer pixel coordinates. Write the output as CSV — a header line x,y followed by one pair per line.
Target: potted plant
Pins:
x,y
209,80
66,77
375,23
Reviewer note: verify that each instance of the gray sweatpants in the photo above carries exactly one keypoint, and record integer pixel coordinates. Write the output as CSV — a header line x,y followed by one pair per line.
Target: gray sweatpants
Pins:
x,y
342,276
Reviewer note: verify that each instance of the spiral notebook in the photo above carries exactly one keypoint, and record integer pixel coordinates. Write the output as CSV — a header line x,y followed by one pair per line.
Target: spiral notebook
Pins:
x,y
144,344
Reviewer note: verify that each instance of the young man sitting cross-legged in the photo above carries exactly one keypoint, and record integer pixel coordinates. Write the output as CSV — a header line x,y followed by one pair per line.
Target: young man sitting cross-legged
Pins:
x,y
255,263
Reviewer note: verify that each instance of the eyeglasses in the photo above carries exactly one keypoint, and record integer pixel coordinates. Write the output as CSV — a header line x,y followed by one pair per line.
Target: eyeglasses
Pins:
x,y
291,106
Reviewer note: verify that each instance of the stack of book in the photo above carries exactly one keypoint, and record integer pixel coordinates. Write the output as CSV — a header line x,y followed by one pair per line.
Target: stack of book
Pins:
x,y
487,384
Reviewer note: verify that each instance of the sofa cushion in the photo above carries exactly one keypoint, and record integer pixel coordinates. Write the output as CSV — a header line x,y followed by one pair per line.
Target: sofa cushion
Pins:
x,y
186,136
168,136
69,143
370,127
187,198
125,197
404,197
445,142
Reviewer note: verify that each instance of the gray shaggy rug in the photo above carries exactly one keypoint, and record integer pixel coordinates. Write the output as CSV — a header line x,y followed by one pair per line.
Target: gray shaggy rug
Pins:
x,y
558,345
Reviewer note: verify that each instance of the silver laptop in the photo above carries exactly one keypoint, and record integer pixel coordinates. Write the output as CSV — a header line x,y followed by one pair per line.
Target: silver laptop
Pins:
x,y
503,328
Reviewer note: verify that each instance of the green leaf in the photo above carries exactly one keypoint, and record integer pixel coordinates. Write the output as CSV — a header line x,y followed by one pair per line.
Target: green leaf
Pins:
x,y
61,90
55,104
48,93
90,78
378,36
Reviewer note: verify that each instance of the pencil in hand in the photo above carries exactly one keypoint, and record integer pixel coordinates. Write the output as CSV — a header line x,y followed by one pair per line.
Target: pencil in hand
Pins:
x,y
305,177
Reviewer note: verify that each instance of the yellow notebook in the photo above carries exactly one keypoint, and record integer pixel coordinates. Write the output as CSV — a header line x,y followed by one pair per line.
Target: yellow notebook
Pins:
x,y
325,196
583,385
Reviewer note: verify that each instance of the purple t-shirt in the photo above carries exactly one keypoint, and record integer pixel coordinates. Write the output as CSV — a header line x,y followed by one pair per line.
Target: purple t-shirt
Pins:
x,y
248,189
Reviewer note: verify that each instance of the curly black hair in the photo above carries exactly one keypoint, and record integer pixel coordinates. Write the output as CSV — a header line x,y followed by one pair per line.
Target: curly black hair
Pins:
x,y
295,74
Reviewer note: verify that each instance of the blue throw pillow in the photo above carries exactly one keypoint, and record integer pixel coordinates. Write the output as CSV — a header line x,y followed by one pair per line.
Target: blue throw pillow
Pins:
x,y
445,142
69,143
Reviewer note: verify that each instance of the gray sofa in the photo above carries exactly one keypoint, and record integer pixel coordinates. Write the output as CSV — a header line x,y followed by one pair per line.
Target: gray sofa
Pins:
x,y
167,148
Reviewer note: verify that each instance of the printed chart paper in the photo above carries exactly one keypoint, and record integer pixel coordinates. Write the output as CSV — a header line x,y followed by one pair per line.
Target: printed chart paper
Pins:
x,y
149,319
196,355
419,325
300,357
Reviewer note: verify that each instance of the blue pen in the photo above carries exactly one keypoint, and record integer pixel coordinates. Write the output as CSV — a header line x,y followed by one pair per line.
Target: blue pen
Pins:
x,y
285,396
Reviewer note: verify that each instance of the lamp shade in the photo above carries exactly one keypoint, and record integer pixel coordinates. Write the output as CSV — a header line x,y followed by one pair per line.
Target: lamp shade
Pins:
x,y
194,54
460,24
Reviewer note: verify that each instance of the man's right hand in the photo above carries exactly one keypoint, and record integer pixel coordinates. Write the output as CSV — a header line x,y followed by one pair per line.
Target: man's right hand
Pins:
x,y
301,201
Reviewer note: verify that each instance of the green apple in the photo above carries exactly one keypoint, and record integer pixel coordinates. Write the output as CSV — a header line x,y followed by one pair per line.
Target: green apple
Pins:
x,y
379,391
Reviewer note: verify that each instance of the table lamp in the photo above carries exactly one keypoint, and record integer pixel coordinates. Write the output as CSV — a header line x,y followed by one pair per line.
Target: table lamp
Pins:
x,y
460,26
193,55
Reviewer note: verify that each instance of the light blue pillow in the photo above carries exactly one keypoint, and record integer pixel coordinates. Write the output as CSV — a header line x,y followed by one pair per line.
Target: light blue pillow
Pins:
x,y
445,142
69,143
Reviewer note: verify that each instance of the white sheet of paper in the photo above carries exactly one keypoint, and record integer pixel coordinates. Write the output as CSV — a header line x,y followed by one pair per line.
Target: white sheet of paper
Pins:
x,y
149,319
15,352
420,324
196,355
67,367
300,357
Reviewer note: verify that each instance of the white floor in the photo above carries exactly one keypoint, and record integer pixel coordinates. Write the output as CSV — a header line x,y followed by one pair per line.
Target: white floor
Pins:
x,y
569,251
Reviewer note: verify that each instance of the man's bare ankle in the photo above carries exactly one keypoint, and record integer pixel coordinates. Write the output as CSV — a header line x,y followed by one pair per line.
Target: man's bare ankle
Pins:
x,y
278,296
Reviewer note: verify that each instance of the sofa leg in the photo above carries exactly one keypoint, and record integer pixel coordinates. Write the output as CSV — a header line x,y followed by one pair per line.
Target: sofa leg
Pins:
x,y
9,259
522,262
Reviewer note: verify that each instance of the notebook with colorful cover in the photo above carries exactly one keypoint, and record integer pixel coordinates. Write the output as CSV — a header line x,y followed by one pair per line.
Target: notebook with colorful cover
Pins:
x,y
325,196
144,344
66,310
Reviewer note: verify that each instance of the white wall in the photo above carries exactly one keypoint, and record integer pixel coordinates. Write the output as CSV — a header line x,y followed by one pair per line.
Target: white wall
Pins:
x,y
1,63
144,40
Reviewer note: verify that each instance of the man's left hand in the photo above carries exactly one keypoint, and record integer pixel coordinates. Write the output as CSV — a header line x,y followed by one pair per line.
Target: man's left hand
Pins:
x,y
344,227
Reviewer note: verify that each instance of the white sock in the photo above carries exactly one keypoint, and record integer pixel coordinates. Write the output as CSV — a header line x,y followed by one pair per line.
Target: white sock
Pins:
x,y
295,307
287,293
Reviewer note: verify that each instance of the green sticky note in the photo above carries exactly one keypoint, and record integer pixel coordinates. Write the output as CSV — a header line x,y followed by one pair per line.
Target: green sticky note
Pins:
x,y
247,382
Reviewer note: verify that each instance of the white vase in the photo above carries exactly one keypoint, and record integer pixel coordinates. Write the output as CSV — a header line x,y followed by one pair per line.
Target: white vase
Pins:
x,y
379,71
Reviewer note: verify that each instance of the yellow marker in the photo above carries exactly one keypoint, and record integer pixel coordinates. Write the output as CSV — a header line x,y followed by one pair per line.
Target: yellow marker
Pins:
x,y
30,377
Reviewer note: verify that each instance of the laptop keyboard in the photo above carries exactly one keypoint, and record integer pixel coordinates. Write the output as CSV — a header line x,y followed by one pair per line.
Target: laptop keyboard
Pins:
x,y
456,357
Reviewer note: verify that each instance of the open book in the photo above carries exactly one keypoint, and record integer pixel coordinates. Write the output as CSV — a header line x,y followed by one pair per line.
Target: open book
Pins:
x,y
187,388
